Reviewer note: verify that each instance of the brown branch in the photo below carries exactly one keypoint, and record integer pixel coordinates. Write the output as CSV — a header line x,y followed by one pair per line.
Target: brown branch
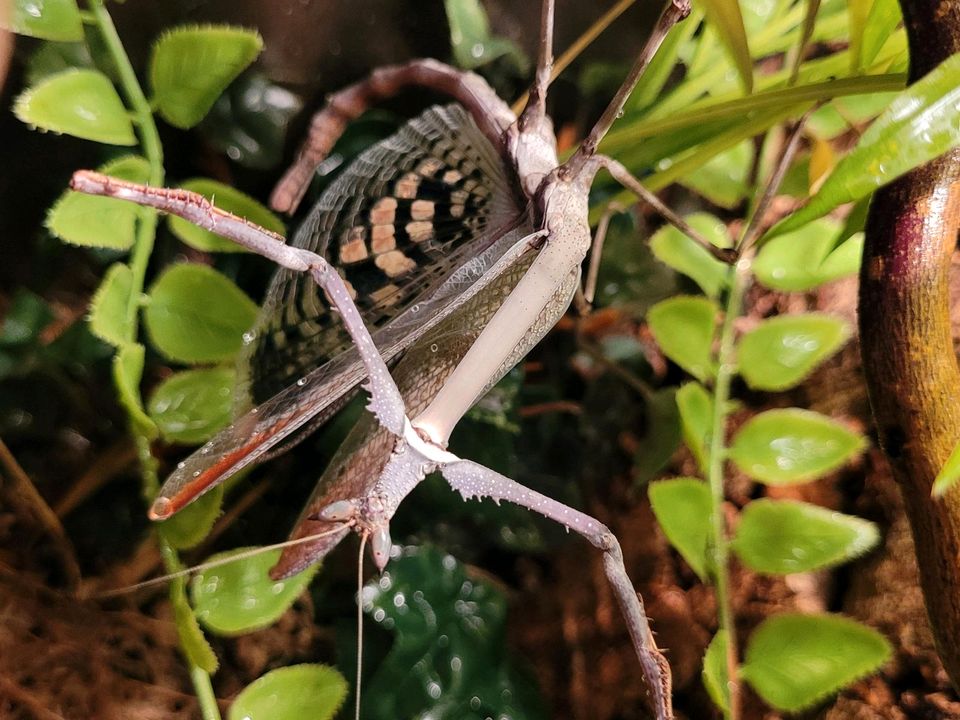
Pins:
x,y
908,354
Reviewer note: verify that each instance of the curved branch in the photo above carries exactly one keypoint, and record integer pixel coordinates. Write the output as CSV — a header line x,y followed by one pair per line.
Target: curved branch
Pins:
x,y
905,334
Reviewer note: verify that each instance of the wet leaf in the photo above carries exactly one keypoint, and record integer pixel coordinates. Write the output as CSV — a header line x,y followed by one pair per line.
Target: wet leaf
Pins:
x,y
671,246
448,659
291,693
470,36
93,221
684,327
918,126
715,676
197,315
696,420
46,19
682,506
793,661
188,527
779,537
225,198
784,447
108,319
662,437
191,66
800,260
192,642
82,103
240,597
949,473
782,351
725,17
191,406
127,373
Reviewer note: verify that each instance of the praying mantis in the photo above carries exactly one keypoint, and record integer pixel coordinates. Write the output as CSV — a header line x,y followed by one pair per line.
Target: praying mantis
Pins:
x,y
458,244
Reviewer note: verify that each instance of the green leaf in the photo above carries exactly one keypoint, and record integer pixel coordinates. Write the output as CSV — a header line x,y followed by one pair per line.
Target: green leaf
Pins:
x,y
192,642
781,351
103,222
696,420
672,247
725,17
794,661
682,506
188,527
127,373
857,10
801,260
883,19
779,537
239,597
291,693
82,103
949,473
191,66
918,126
197,315
662,437
191,406
724,180
784,447
46,19
470,35
225,198
715,675
684,327
108,309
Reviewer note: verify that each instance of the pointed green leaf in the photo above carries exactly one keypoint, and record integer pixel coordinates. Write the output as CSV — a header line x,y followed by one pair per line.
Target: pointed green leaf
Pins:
x,y
918,126
857,11
883,19
949,473
802,260
191,66
682,507
191,406
715,675
696,420
783,447
108,309
192,641
100,221
725,17
779,537
684,328
239,597
47,19
127,373
197,315
781,351
190,526
794,661
225,198
82,103
291,693
672,247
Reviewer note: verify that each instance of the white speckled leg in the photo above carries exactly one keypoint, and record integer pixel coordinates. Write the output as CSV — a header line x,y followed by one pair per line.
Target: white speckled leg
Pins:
x,y
473,480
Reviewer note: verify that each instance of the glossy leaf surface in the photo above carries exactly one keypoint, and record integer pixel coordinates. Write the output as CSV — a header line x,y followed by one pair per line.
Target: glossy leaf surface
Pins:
x,y
805,259
191,406
294,692
46,19
680,252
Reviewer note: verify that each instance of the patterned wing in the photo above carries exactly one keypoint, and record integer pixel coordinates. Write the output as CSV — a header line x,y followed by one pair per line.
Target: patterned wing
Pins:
x,y
438,161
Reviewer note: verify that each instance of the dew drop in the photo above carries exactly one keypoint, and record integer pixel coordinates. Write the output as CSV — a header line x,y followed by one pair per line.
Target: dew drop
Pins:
x,y
301,382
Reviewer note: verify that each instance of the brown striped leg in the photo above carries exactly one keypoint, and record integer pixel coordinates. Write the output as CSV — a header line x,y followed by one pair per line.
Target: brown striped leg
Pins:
x,y
490,113
473,480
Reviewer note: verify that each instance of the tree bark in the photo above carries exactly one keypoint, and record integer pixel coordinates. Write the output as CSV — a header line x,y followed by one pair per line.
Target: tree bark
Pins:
x,y
905,335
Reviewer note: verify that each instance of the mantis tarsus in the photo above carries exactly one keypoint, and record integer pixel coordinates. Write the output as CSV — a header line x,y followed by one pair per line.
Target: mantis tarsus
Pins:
x,y
507,264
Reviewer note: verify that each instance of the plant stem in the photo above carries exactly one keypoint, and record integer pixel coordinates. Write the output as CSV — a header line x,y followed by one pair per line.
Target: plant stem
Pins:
x,y
139,260
740,276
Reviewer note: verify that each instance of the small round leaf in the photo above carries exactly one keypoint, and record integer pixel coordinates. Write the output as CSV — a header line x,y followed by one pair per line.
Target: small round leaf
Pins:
x,y
682,507
197,315
225,198
187,528
785,536
191,406
109,320
680,252
82,103
291,693
803,259
191,66
46,19
715,675
793,661
239,597
782,447
684,326
780,352
696,420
